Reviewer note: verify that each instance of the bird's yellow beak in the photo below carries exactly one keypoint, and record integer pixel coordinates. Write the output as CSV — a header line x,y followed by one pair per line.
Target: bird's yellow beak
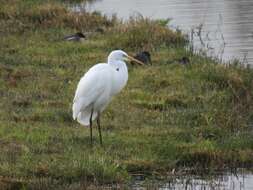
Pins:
x,y
135,60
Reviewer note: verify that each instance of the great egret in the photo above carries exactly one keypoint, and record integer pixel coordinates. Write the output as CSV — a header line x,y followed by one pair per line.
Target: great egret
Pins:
x,y
97,87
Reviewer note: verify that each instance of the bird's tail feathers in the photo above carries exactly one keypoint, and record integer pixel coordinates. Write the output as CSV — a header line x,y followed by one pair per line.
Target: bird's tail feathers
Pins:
x,y
82,112
84,117
76,108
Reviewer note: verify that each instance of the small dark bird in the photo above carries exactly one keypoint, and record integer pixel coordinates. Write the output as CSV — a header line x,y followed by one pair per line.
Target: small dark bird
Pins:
x,y
184,61
144,57
100,30
75,37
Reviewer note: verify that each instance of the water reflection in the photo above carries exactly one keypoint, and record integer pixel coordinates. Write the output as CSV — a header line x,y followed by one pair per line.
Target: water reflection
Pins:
x,y
222,182
225,22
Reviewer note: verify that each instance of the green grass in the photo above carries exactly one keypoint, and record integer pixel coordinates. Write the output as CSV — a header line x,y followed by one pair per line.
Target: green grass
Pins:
x,y
169,116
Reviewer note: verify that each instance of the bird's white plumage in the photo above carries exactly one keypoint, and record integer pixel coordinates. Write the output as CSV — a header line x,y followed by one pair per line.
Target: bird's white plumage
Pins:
x,y
98,86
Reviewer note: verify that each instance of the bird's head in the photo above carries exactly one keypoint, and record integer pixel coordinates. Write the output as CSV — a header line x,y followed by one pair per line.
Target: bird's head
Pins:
x,y
119,55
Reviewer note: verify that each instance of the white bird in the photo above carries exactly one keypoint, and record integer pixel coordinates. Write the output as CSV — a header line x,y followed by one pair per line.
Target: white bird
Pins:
x,y
97,87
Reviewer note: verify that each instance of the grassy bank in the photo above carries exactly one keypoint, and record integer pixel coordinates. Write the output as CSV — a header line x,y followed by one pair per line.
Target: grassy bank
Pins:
x,y
170,116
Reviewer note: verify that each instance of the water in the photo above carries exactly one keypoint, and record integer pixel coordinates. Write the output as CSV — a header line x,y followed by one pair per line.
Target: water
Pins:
x,y
222,182
227,25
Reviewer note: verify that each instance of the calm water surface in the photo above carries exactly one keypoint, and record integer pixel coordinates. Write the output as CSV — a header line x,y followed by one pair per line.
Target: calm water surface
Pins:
x,y
222,182
227,25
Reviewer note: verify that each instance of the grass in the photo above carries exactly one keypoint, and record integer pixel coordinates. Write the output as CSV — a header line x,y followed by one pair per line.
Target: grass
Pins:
x,y
170,116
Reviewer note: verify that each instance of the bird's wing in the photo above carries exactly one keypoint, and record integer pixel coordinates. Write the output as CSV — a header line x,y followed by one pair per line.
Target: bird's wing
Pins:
x,y
91,85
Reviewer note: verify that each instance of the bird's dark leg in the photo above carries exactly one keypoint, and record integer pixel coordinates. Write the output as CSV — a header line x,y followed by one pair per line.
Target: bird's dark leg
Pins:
x,y
99,129
91,127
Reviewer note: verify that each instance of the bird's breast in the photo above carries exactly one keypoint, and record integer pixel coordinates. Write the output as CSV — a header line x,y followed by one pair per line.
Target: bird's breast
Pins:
x,y
120,77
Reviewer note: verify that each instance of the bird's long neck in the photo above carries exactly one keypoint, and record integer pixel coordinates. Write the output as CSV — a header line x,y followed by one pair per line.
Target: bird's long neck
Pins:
x,y
120,75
